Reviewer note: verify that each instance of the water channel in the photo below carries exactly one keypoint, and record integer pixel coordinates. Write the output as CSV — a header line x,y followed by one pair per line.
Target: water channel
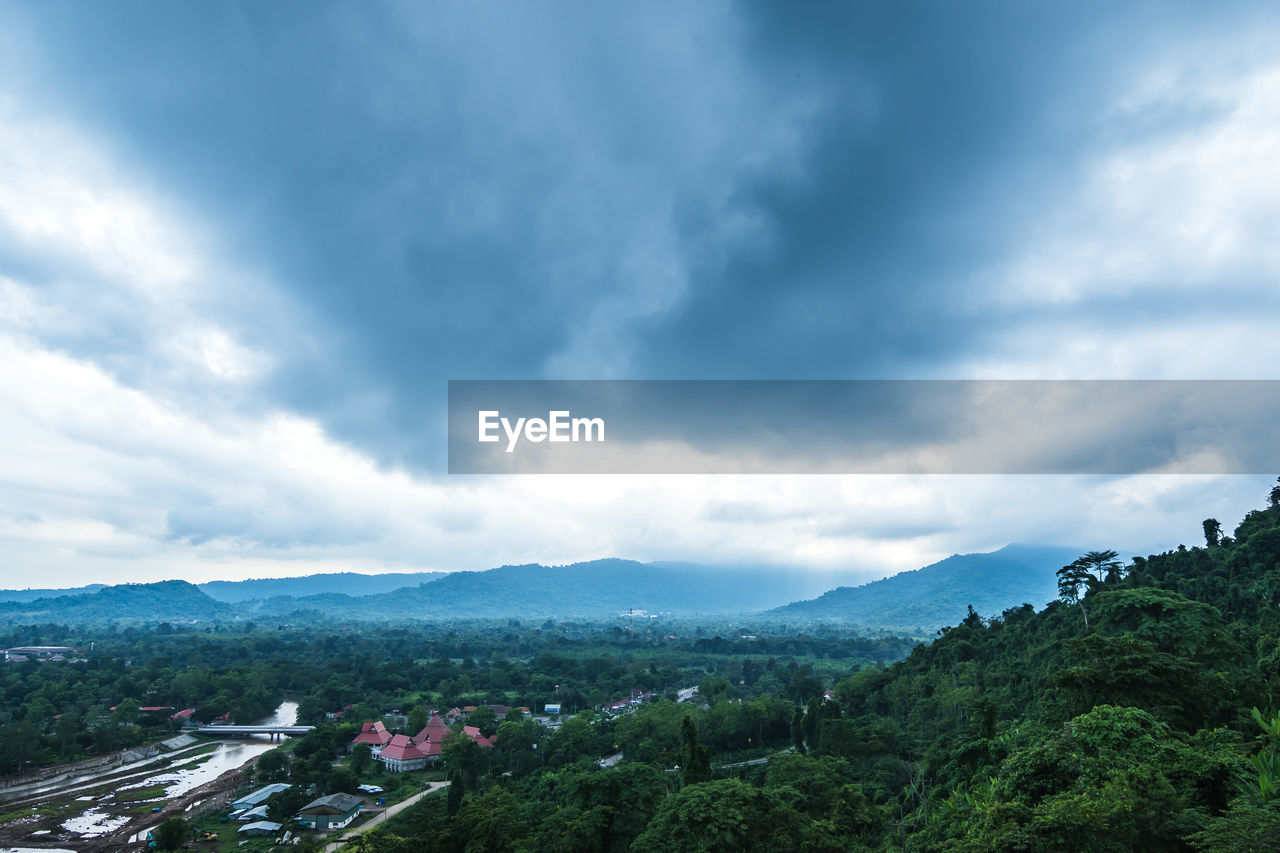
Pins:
x,y
177,780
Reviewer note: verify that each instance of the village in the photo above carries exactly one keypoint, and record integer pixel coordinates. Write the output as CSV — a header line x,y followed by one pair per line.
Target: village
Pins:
x,y
397,753
403,768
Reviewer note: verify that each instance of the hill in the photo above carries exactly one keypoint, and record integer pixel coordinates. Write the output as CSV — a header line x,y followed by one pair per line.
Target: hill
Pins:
x,y
344,583
923,600
167,601
1134,714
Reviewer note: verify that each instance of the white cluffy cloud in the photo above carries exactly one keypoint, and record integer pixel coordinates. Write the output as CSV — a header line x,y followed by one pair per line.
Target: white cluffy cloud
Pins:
x,y
128,451
1162,262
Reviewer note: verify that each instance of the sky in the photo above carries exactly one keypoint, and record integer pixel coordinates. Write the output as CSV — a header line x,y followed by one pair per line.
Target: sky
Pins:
x,y
244,246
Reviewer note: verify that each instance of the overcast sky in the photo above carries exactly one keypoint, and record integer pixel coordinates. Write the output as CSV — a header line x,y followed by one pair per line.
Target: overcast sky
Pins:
x,y
244,246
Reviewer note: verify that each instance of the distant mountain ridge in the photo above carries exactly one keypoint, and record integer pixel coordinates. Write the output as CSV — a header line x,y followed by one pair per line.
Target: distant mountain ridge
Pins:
x,y
34,594
235,592
595,589
346,583
600,589
923,600
166,601
916,602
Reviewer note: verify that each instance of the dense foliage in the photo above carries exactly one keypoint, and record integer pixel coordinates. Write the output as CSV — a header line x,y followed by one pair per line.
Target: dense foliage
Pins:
x,y
1154,727
1138,711
61,711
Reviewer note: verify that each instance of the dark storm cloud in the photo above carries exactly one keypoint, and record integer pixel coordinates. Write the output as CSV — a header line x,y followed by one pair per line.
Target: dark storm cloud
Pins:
x,y
448,193
944,129
460,192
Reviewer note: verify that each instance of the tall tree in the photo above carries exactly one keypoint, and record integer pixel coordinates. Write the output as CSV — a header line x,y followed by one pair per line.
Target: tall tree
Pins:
x,y
1212,532
1074,581
462,755
418,719
694,757
457,793
797,730
361,759
1103,565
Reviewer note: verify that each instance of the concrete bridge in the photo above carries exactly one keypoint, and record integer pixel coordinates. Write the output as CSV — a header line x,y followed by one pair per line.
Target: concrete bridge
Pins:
x,y
245,731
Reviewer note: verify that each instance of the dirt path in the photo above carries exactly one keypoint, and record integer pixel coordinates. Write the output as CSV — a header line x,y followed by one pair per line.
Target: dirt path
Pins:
x,y
335,845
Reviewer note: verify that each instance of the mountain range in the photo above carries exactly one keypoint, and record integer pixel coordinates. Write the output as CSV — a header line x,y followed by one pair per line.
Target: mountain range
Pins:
x,y
917,602
926,599
595,589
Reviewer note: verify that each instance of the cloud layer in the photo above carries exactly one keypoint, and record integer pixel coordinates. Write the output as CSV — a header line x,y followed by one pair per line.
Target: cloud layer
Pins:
x,y
243,247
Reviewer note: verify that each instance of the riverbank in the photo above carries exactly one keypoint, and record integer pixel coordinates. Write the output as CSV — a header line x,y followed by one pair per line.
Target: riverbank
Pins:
x,y
112,808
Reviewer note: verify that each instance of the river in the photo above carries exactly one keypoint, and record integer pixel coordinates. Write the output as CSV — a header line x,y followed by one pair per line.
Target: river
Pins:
x,y
228,756
100,820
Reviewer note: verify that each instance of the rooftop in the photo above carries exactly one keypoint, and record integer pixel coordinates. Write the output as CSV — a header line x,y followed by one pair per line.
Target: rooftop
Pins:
x,y
336,802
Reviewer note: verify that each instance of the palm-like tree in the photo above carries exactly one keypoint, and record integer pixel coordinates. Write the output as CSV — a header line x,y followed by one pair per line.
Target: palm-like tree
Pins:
x,y
1104,566
1074,581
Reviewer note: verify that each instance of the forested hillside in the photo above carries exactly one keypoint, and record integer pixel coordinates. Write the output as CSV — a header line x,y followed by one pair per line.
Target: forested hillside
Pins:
x,y
922,601
173,601
1137,713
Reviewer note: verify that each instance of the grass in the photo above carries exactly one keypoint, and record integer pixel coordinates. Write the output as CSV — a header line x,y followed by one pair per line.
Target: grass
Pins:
x,y
27,812
228,837
140,809
133,795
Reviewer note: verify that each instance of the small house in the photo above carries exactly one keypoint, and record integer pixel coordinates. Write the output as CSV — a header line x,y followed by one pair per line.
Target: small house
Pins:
x,y
332,812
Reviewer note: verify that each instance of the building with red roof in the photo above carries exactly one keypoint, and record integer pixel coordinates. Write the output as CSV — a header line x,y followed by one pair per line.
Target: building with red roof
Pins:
x,y
401,752
474,733
435,730
373,734
405,753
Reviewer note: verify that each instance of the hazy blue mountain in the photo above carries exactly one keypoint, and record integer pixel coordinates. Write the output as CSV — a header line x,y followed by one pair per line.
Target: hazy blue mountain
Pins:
x,y
924,600
167,601
345,583
33,594
918,601
600,588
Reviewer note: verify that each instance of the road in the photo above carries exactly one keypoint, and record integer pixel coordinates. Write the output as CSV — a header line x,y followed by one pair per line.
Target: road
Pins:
x,y
753,762
347,835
